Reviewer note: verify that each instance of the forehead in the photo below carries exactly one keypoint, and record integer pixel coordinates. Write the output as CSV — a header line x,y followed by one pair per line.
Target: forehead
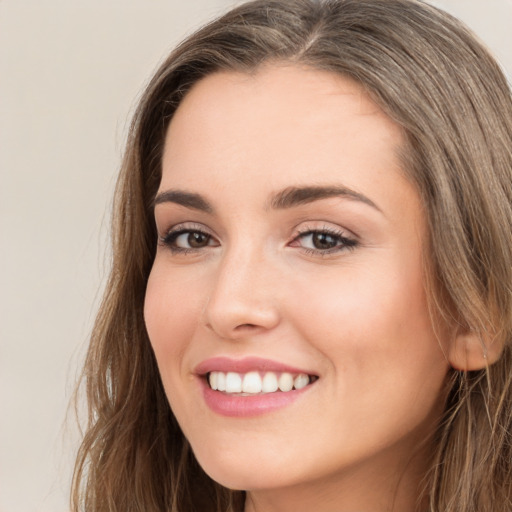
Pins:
x,y
289,82
279,96
283,125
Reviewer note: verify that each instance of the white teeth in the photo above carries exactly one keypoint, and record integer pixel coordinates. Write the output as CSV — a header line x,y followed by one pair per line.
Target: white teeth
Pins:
x,y
269,384
221,381
233,383
253,382
301,381
285,382
212,379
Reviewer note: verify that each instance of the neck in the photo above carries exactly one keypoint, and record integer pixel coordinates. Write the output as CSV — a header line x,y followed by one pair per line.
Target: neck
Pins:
x,y
382,487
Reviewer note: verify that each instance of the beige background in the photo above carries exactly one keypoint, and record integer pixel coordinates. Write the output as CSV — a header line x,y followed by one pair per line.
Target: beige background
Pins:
x,y
70,72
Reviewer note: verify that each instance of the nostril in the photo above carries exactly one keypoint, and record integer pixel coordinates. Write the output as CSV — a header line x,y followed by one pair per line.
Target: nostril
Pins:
x,y
245,327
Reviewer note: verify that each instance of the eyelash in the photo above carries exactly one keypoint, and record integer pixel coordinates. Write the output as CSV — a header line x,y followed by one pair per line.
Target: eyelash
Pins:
x,y
169,239
343,242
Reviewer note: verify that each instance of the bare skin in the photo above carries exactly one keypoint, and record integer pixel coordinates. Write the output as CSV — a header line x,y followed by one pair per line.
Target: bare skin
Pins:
x,y
332,284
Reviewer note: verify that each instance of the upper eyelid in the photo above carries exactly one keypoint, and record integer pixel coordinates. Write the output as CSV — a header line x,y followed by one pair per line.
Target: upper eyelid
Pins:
x,y
342,235
347,237
303,229
187,226
333,230
165,237
170,236
326,229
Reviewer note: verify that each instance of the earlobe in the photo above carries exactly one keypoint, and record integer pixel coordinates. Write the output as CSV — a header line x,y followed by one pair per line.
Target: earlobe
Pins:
x,y
470,351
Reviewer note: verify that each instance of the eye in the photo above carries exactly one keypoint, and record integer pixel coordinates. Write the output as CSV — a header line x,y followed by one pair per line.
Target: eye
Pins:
x,y
191,240
187,239
324,241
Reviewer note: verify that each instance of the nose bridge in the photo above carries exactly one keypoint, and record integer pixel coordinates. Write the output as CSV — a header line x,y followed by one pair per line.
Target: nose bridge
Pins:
x,y
241,295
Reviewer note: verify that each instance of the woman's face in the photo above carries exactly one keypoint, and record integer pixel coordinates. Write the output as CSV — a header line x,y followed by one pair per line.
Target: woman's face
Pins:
x,y
290,256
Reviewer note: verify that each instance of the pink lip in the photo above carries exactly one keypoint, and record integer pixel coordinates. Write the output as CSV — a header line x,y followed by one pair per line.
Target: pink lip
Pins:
x,y
247,364
246,406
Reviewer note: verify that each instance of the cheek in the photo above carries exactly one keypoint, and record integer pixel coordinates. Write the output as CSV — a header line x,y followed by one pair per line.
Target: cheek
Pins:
x,y
358,303
171,311
387,367
375,328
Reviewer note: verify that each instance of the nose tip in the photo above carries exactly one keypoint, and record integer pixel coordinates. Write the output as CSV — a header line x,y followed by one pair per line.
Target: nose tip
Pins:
x,y
235,318
243,303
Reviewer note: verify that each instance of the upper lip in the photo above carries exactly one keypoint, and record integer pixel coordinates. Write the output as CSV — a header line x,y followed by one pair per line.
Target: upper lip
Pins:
x,y
245,365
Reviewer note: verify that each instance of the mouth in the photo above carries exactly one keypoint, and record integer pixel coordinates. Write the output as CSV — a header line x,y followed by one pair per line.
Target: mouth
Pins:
x,y
251,386
257,382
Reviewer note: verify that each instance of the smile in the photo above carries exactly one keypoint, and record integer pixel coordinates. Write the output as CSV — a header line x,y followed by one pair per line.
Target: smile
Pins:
x,y
257,383
251,386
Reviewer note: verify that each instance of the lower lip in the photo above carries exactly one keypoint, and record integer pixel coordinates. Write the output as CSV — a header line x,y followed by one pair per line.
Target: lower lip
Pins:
x,y
247,406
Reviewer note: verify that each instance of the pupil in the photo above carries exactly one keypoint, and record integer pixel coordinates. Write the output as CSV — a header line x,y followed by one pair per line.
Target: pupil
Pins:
x,y
324,241
197,239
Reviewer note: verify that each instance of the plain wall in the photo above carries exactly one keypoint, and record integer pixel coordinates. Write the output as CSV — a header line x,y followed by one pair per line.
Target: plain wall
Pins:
x,y
70,73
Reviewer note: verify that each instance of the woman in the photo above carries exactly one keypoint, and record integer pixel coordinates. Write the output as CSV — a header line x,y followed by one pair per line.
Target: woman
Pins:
x,y
310,300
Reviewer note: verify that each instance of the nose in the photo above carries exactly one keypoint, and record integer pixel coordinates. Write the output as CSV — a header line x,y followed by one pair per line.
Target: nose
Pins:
x,y
243,300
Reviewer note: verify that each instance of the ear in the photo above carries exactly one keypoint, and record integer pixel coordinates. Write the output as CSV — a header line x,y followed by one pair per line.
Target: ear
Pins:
x,y
470,351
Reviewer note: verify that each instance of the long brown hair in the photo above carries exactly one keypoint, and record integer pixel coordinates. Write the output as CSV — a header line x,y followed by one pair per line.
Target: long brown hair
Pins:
x,y
433,78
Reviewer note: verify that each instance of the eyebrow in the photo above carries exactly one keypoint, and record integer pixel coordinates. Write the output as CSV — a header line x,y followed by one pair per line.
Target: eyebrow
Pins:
x,y
287,198
183,198
294,196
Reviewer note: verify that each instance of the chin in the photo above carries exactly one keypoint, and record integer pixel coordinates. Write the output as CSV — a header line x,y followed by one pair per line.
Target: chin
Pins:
x,y
237,472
